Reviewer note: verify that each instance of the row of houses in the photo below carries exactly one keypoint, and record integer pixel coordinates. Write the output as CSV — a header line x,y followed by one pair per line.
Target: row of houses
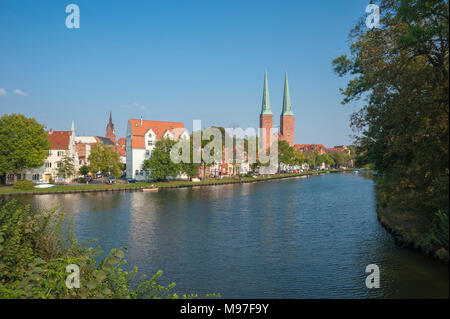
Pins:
x,y
67,143
134,149
140,142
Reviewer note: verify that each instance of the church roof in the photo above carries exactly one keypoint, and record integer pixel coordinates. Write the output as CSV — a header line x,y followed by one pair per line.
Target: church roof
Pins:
x,y
266,100
286,98
105,140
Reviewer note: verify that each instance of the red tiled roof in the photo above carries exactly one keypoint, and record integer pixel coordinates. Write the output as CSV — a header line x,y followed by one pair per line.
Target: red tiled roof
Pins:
x,y
119,149
122,141
309,146
59,139
158,127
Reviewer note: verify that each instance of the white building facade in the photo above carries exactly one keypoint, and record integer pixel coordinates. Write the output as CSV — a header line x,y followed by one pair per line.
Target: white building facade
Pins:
x,y
141,139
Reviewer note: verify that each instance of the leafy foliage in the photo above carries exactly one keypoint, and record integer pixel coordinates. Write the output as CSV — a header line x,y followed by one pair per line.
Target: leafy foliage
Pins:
x,y
24,185
160,164
104,159
23,143
401,69
36,248
66,167
83,170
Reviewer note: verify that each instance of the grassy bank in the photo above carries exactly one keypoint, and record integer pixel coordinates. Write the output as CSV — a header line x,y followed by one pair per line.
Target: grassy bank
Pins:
x,y
9,190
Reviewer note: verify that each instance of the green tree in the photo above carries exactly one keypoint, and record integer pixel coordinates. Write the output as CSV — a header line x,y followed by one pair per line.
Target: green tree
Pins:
x,y
160,164
190,168
326,159
104,159
83,170
23,144
401,69
66,167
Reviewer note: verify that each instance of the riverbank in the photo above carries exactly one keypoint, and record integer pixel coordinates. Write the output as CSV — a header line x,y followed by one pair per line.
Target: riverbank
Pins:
x,y
410,229
61,189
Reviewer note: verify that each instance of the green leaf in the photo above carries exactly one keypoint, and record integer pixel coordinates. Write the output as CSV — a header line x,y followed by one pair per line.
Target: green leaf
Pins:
x,y
100,275
92,284
120,254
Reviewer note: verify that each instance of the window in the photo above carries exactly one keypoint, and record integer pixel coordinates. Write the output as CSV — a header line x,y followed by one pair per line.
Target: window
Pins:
x,y
147,152
36,177
10,177
142,172
58,164
137,172
60,153
48,165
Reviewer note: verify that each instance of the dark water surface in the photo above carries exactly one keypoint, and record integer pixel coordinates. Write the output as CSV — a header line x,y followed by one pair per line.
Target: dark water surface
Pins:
x,y
294,238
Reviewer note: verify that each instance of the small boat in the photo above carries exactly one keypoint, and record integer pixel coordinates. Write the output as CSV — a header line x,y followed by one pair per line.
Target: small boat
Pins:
x,y
46,185
149,189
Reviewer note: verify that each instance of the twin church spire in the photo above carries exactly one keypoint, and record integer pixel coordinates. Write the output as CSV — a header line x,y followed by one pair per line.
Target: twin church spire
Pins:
x,y
287,123
287,110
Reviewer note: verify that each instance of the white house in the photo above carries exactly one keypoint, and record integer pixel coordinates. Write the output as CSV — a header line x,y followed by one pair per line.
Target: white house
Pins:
x,y
141,138
63,143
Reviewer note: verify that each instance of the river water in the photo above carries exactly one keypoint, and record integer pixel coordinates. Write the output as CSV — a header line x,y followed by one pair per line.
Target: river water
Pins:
x,y
292,238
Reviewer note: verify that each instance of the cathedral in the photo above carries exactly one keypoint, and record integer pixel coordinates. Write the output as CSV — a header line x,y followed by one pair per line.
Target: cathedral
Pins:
x,y
287,119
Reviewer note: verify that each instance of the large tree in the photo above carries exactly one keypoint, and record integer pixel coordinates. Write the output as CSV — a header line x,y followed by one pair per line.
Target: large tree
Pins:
x,y
66,167
23,144
401,69
104,159
160,164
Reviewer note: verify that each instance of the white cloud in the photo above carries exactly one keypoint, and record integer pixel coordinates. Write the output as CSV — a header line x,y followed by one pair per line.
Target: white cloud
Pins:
x,y
2,92
135,104
142,107
20,92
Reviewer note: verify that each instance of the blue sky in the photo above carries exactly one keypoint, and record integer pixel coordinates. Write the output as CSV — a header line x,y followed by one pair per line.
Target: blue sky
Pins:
x,y
176,61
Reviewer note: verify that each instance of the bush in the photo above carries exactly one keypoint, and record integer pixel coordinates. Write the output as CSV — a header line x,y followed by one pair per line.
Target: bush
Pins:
x,y
82,180
35,250
24,185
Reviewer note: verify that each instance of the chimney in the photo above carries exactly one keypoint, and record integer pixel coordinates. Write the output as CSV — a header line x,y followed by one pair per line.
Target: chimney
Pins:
x,y
141,120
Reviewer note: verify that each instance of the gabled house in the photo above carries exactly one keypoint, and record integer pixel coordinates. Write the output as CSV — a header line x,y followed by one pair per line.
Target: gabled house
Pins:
x,y
141,139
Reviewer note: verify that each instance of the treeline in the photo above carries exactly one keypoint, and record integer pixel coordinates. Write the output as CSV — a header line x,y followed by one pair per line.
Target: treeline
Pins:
x,y
401,70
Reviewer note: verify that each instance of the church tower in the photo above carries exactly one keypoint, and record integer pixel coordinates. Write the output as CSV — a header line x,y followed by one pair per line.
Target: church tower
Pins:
x,y
287,119
110,133
266,117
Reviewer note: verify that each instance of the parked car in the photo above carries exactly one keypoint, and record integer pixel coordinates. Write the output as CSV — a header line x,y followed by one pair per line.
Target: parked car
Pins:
x,y
111,179
131,180
98,176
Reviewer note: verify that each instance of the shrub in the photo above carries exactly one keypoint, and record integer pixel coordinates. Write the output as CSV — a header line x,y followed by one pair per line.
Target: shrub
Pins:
x,y
24,185
35,249
82,180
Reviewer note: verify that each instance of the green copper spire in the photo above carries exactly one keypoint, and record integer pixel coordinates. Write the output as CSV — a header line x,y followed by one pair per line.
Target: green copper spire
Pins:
x,y
286,98
266,100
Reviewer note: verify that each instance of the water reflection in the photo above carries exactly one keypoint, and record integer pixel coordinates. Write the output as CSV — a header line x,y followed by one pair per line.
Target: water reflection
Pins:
x,y
294,238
